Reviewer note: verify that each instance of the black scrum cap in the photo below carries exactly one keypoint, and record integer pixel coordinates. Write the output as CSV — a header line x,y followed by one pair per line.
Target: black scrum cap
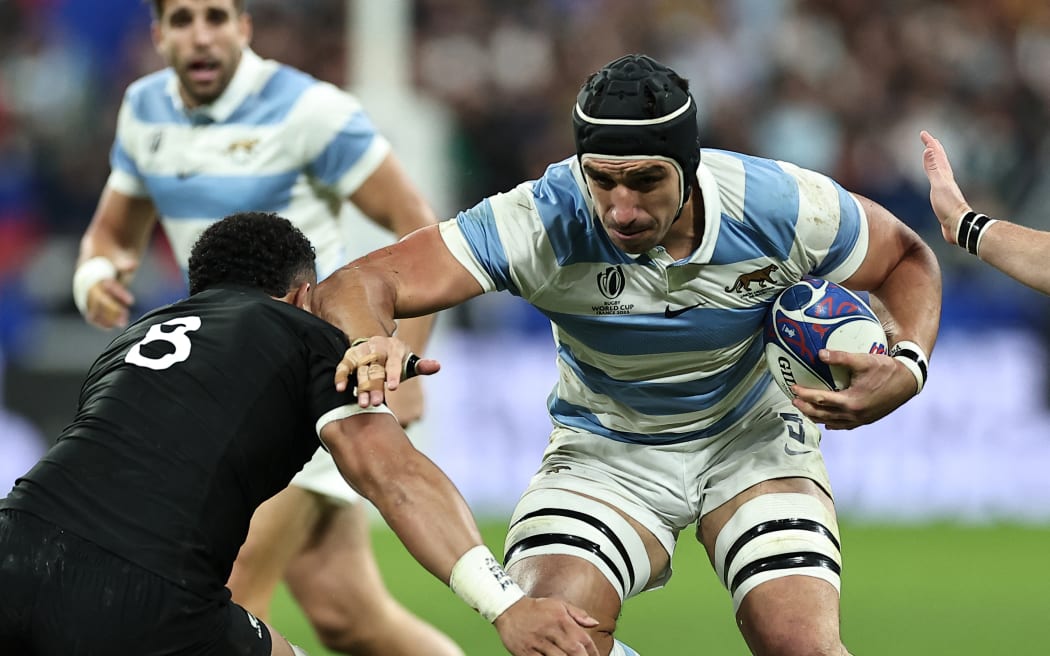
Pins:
x,y
636,106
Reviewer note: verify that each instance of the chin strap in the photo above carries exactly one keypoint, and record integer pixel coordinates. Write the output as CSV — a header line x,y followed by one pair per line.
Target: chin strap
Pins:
x,y
686,195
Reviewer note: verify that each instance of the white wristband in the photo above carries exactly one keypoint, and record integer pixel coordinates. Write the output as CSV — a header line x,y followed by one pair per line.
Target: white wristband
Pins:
x,y
478,579
87,274
914,358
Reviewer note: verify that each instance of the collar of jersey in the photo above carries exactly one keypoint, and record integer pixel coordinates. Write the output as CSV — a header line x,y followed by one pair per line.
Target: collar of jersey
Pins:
x,y
245,80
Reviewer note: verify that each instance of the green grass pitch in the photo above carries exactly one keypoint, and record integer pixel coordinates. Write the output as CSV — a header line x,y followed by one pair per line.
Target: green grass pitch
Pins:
x,y
907,590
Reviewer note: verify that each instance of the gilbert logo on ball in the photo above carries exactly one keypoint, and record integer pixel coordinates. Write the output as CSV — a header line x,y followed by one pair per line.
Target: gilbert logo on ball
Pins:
x,y
815,314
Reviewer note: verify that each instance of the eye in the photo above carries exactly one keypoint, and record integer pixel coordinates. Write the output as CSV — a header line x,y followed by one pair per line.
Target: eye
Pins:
x,y
180,18
600,180
218,16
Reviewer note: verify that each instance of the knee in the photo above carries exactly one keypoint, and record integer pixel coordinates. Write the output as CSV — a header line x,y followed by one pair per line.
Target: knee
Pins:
x,y
347,635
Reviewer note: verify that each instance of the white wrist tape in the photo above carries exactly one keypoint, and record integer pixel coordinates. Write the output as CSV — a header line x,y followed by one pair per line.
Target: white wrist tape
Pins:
x,y
87,274
478,579
914,358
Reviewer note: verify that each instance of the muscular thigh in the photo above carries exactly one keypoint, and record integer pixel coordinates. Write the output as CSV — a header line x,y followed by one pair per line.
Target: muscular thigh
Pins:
x,y
766,509
608,511
776,543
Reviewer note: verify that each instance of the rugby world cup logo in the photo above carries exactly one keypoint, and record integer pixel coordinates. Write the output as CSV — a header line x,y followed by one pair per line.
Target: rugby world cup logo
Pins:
x,y
611,282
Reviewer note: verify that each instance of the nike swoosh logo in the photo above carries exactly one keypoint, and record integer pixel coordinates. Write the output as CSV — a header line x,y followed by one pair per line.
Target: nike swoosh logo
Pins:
x,y
671,314
791,452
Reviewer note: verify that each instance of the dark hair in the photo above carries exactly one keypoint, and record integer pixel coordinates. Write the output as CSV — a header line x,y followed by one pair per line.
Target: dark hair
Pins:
x,y
254,249
158,7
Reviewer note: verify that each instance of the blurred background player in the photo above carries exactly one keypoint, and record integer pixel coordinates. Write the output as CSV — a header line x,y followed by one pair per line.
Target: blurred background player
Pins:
x,y
222,130
1016,250
664,411
120,539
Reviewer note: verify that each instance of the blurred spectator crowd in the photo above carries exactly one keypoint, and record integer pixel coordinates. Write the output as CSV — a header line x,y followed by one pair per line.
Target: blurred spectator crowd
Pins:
x,y
840,86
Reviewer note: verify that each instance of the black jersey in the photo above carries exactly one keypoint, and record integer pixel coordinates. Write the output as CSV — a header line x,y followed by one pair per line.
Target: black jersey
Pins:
x,y
188,421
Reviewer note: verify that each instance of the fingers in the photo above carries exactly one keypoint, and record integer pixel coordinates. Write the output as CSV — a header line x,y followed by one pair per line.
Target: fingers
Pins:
x,y
570,641
946,198
118,291
108,304
355,361
583,619
581,616
852,361
378,365
578,649
935,161
823,407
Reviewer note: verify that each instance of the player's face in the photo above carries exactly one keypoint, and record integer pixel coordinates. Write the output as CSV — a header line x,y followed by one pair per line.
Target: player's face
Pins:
x,y
202,40
636,200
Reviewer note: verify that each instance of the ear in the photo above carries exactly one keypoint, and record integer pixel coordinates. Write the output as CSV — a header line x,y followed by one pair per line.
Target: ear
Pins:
x,y
302,296
156,36
245,24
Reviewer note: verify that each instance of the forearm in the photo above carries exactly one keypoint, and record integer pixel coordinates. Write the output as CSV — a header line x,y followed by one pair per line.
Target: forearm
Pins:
x,y
356,302
1020,252
120,229
105,241
415,277
425,510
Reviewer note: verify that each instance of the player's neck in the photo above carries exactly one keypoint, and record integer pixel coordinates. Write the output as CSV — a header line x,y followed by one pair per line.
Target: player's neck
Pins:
x,y
687,232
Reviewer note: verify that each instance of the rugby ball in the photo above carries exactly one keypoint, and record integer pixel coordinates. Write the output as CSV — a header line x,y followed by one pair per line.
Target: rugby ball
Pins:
x,y
816,314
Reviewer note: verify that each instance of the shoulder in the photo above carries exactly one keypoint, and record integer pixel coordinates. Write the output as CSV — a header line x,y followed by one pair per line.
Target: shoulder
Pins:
x,y
559,191
148,98
728,165
148,85
285,83
761,185
314,98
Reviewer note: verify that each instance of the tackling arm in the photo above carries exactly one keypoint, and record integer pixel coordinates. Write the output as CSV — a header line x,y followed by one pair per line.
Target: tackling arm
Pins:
x,y
418,275
377,459
110,252
432,519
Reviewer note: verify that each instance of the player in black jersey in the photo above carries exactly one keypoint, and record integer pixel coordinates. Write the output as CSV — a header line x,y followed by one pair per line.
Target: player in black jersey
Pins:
x,y
120,540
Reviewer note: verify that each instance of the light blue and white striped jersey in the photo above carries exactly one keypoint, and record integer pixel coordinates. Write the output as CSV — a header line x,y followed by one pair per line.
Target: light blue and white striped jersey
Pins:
x,y
653,350
276,140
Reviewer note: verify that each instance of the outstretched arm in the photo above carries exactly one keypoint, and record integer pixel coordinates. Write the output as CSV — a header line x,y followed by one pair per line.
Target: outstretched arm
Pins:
x,y
110,252
1017,251
432,519
416,276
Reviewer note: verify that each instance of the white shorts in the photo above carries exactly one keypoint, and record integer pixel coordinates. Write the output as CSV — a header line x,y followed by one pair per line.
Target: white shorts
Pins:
x,y
320,475
666,488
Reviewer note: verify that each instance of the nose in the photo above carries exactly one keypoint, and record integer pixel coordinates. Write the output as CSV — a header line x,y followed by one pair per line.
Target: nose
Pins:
x,y
202,32
624,205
